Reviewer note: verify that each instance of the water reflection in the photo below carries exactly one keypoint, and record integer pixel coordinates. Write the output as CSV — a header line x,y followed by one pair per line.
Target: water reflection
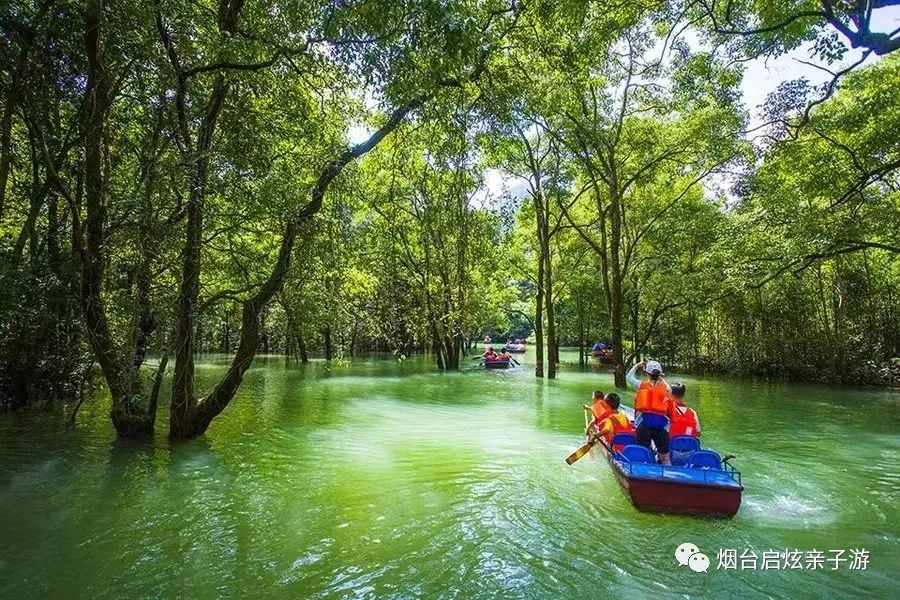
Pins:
x,y
381,478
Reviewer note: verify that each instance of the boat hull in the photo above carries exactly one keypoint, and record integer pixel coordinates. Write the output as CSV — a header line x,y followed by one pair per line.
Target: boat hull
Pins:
x,y
496,364
676,490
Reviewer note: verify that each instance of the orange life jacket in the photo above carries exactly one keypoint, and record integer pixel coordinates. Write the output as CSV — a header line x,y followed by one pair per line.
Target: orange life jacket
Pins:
x,y
624,426
620,424
684,423
652,399
600,409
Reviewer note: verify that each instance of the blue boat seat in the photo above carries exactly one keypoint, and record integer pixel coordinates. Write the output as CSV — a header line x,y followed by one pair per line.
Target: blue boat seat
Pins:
x,y
681,447
704,459
636,453
623,438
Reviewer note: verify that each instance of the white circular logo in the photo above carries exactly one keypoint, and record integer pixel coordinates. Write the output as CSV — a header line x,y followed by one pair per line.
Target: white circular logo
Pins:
x,y
698,562
684,551
689,555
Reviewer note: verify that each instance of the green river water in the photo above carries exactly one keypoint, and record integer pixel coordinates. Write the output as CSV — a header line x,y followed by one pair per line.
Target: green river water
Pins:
x,y
388,480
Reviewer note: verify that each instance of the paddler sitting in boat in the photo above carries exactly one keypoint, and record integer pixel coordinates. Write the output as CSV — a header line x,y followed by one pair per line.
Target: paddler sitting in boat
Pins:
x,y
616,422
652,407
684,419
598,407
504,355
489,354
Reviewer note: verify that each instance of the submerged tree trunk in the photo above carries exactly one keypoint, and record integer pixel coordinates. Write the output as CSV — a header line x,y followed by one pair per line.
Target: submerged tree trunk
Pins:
x,y
581,349
615,317
183,390
539,321
326,334
552,342
301,347
121,377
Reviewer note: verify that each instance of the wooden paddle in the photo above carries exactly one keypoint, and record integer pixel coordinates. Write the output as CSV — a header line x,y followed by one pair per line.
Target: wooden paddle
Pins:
x,y
581,451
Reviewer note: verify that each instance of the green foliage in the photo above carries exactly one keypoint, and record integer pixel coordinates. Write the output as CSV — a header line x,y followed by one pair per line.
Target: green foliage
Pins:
x,y
791,273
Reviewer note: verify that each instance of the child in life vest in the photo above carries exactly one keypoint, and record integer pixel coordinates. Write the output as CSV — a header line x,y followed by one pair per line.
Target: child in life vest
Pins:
x,y
684,419
599,408
614,423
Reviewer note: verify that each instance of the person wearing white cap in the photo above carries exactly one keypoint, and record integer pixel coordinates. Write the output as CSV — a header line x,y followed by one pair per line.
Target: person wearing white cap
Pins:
x,y
653,406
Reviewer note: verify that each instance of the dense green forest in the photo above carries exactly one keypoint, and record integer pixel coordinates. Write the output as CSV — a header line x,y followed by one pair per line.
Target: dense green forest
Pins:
x,y
310,178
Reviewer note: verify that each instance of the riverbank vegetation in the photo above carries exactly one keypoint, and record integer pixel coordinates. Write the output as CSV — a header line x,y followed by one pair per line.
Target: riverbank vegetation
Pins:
x,y
320,179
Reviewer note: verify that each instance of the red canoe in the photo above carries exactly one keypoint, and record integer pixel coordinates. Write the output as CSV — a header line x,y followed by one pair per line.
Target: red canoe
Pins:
x,y
699,482
712,489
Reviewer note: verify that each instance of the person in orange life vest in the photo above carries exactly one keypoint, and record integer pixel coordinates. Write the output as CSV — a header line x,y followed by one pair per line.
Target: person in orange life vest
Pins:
x,y
653,408
616,422
684,419
598,407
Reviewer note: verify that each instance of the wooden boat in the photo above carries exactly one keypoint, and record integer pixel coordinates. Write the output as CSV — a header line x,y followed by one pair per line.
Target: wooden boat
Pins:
x,y
699,482
497,364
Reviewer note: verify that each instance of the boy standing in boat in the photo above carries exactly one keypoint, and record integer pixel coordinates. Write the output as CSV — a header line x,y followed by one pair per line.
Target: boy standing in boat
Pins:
x,y
652,408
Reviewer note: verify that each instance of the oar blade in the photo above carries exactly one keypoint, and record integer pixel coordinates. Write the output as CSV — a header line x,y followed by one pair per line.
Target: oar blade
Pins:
x,y
579,453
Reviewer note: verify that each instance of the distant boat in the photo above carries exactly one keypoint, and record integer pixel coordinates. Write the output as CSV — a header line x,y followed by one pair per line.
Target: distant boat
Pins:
x,y
515,348
497,364
603,356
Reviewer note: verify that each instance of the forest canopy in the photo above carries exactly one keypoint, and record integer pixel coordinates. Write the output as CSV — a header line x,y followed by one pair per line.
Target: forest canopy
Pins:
x,y
318,178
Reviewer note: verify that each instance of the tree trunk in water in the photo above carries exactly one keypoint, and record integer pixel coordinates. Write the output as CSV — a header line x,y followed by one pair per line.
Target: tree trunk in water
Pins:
x,y
327,336
581,350
184,399
451,352
539,322
615,316
122,380
437,348
301,347
552,342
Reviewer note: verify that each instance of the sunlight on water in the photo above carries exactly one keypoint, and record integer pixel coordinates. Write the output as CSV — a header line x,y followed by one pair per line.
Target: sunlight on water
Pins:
x,y
385,479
